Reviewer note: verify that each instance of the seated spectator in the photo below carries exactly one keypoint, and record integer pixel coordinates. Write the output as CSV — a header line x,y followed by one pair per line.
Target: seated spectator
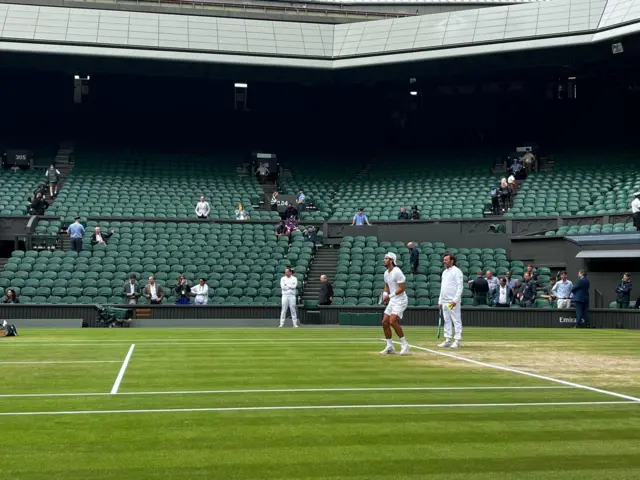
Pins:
x,y
290,211
203,208
548,292
99,237
503,296
623,292
201,292
479,290
183,291
310,235
291,224
403,215
562,291
10,296
415,213
131,291
153,292
38,205
282,230
528,291
360,219
241,213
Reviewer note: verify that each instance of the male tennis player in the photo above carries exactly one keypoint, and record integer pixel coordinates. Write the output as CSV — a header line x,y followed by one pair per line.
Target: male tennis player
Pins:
x,y
449,301
397,300
288,285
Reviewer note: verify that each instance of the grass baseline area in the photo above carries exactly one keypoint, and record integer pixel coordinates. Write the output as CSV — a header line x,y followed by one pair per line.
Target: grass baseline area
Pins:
x,y
320,403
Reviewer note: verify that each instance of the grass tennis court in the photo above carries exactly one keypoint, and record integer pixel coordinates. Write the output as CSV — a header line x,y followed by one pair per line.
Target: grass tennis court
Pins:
x,y
319,403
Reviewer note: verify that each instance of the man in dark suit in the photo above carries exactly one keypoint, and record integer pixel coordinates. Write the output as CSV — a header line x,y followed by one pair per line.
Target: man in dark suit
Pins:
x,y
479,290
326,292
528,291
415,257
623,292
99,237
581,299
503,295
131,291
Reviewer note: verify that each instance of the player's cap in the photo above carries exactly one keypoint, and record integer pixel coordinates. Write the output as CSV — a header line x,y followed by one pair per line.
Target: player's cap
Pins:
x,y
392,256
637,194
77,218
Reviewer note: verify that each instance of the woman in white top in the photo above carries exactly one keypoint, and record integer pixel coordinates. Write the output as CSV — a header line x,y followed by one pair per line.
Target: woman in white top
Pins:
x,y
201,292
241,213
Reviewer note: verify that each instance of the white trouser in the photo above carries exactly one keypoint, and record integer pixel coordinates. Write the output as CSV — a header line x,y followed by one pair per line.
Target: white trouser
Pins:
x,y
564,303
288,302
452,318
202,299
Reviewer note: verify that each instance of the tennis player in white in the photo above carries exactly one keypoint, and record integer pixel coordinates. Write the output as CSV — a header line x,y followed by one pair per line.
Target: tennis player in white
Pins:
x,y
397,300
449,301
288,285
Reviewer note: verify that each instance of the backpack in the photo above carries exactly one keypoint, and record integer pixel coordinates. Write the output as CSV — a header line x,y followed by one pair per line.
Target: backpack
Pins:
x,y
8,330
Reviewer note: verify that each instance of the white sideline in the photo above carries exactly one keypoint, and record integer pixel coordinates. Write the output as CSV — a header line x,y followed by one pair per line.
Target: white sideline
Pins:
x,y
281,390
123,369
226,342
314,407
528,374
56,362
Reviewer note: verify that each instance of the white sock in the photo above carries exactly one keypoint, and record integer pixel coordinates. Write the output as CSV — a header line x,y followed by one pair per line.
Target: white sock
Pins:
x,y
389,342
404,341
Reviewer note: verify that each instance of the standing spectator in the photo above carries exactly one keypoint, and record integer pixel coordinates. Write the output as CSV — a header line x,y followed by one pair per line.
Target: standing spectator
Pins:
x,y
492,281
274,200
403,215
201,292
360,218
131,291
415,257
153,292
183,291
504,194
288,286
623,292
449,301
301,202
10,296
310,235
479,290
532,271
76,234
562,290
203,209
98,237
290,211
581,299
510,282
503,296
528,291
281,230
548,292
495,200
415,213
52,175
38,205
241,213
326,291
635,210
263,172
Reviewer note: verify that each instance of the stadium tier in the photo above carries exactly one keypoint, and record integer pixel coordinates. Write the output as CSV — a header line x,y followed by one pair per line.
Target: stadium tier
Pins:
x,y
242,263
360,273
17,187
593,229
156,186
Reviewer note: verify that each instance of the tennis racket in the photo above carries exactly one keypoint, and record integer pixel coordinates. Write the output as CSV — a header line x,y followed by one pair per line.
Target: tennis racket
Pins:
x,y
380,298
439,322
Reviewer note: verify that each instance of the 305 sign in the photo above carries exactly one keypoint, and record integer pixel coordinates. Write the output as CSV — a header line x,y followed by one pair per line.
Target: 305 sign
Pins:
x,y
20,158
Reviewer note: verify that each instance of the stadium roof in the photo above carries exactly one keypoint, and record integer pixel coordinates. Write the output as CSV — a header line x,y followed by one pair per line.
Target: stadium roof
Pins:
x,y
26,28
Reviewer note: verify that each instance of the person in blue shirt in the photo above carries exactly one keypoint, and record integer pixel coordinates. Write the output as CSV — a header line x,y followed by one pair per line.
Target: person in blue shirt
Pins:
x,y
301,201
360,218
581,298
76,234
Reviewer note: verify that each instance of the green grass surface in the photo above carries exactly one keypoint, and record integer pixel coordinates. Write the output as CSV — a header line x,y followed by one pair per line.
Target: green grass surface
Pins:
x,y
179,411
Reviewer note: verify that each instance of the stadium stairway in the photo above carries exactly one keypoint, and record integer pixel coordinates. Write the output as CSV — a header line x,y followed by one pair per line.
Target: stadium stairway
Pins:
x,y
64,166
324,262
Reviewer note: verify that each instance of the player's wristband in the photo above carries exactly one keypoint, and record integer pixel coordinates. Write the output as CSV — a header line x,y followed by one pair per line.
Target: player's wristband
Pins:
x,y
385,294
391,295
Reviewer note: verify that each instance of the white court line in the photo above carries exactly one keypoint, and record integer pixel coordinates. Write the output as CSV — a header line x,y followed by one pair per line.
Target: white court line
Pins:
x,y
528,374
123,369
314,407
218,339
280,390
293,341
56,362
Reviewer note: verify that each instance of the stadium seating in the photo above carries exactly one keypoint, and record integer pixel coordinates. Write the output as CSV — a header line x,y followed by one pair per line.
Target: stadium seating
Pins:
x,y
243,263
360,272
592,229
155,186
17,187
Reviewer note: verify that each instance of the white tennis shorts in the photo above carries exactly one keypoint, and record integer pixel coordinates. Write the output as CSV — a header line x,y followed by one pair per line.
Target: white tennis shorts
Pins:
x,y
397,306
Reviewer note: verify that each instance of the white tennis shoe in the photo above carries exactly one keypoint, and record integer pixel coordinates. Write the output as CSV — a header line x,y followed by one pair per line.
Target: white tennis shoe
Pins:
x,y
388,350
446,344
455,344
405,349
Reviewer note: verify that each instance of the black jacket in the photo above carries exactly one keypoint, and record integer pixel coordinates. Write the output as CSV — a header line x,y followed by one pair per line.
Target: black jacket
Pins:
x,y
290,212
6,299
403,216
105,237
480,286
326,293
623,292
179,288
528,291
415,256
38,206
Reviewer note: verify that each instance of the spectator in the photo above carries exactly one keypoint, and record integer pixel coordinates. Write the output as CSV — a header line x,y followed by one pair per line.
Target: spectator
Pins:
x,y
183,291
98,237
529,161
503,296
510,282
281,230
310,235
360,218
76,234
241,213
511,181
516,168
203,209
415,257
201,292
263,172
581,299
495,199
38,205
52,175
547,292
131,291
326,291
153,292
504,194
274,200
562,291
635,210
415,213
479,290
623,292
291,224
301,202
528,291
403,215
532,271
290,211
10,296
492,281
